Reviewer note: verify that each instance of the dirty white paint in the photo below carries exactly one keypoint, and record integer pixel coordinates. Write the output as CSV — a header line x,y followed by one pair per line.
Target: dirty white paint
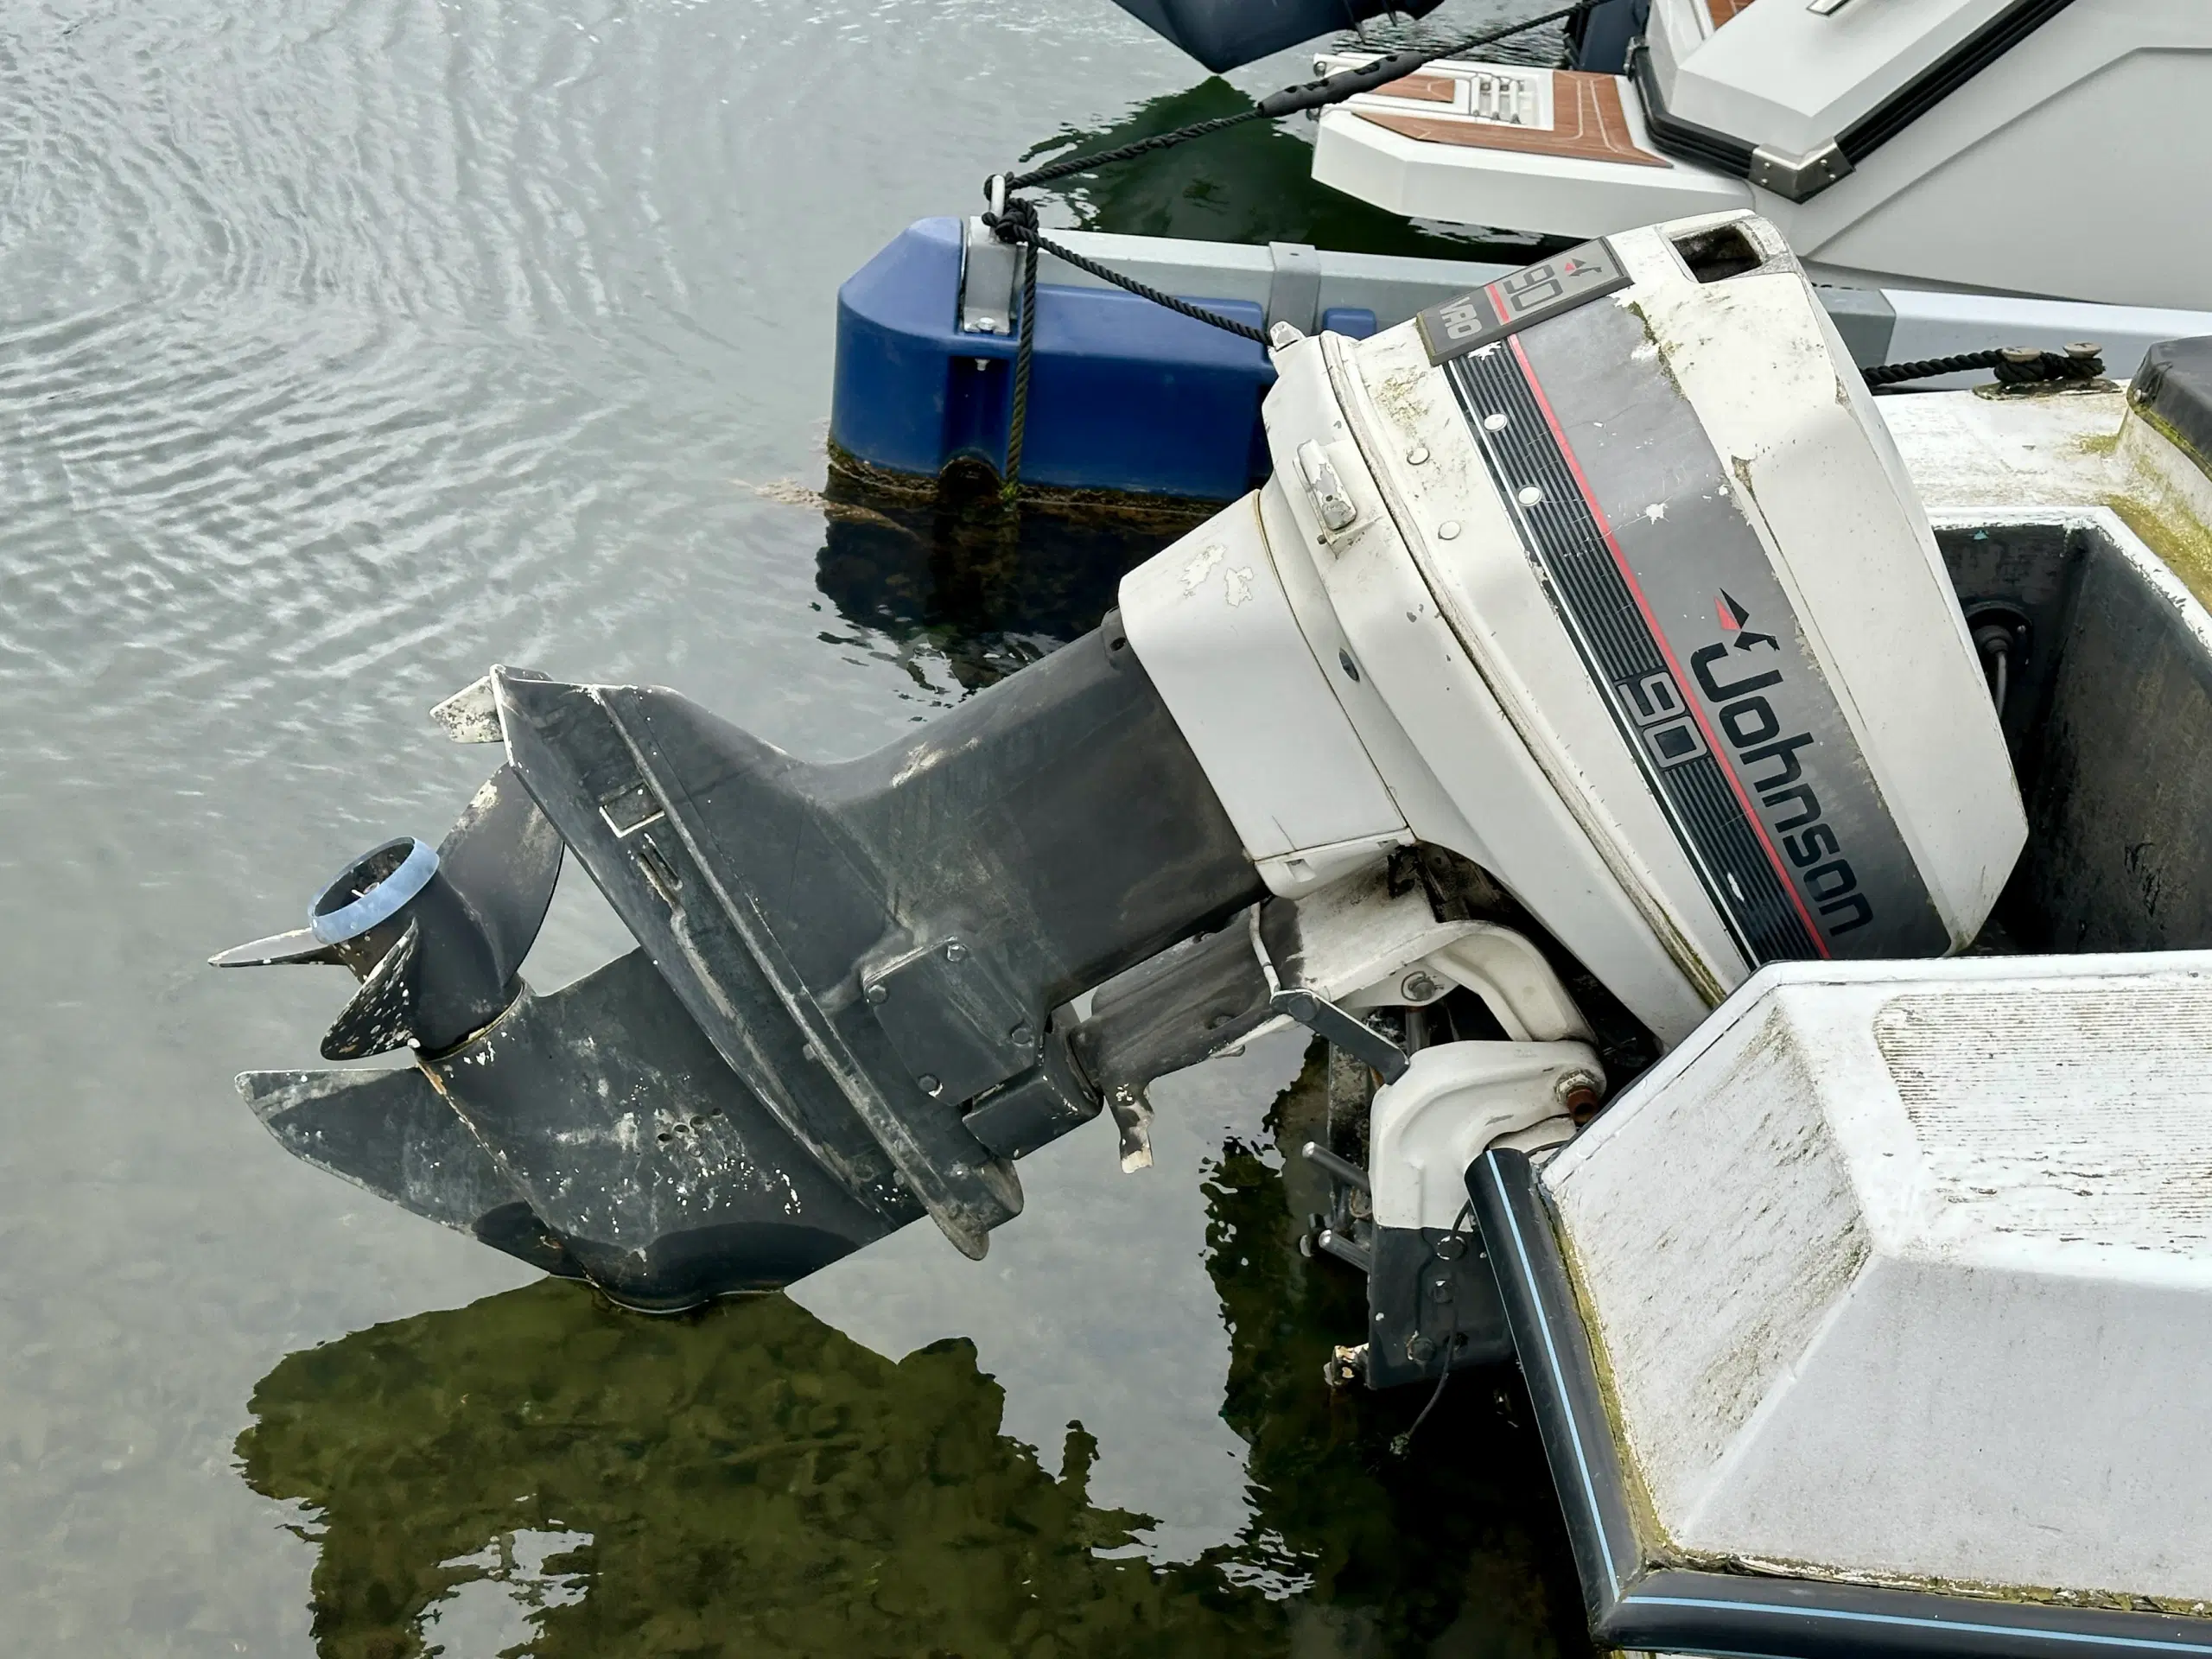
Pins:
x,y
1990,1082
1556,195
1905,1270
1825,488
471,716
1498,704
1469,653
1210,621
1968,452
1965,450
1788,79
1455,1100
1201,565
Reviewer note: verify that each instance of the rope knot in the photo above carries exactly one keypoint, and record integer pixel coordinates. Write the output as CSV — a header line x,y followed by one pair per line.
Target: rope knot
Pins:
x,y
1011,218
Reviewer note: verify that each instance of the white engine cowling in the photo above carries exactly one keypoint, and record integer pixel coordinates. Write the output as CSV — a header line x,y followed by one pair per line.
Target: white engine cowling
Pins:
x,y
1608,578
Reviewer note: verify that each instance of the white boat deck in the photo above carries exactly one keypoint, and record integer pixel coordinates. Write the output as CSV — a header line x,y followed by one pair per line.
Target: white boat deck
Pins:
x,y
1902,1273
2061,454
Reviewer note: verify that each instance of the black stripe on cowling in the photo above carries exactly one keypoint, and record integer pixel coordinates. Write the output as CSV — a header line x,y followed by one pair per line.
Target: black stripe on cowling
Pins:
x,y
1561,534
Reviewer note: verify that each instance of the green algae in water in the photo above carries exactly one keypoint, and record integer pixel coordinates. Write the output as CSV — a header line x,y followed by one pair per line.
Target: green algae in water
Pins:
x,y
750,1482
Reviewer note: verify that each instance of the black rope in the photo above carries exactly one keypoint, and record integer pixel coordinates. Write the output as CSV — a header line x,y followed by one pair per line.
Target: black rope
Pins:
x,y
1129,152
1013,220
1891,374
1018,422
2014,366
1018,225
1011,231
1306,95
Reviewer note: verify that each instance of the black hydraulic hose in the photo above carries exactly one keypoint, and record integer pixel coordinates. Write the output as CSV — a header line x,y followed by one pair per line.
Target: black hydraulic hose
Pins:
x,y
1402,1444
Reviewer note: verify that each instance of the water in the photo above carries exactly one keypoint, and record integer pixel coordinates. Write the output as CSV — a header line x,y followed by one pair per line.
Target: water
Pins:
x,y
345,346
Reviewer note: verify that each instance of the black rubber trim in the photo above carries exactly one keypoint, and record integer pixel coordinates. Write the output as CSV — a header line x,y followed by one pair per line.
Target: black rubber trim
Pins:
x,y
1562,1381
1687,141
1945,76
1637,1604
2174,384
1797,1618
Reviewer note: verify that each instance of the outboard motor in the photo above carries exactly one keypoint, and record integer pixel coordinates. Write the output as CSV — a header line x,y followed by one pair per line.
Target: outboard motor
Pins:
x,y
1587,649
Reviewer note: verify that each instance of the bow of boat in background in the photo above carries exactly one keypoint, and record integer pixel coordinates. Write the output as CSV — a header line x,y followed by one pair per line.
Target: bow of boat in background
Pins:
x,y
1881,139
1223,34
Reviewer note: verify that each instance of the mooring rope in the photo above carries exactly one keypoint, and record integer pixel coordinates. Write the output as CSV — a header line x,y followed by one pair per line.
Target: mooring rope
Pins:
x,y
2015,366
1014,220
1306,95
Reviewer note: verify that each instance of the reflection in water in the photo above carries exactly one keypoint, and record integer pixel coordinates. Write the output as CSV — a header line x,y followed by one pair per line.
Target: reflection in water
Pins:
x,y
1248,183
1254,183
956,573
540,1473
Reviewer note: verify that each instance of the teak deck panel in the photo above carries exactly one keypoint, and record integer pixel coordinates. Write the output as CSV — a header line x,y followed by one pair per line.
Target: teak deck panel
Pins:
x,y
1588,125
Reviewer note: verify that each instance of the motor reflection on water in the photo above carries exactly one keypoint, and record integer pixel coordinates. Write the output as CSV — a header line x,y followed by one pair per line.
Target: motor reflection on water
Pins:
x,y
541,1470
957,576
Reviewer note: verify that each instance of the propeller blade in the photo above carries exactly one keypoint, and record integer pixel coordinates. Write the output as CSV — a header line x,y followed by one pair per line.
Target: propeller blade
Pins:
x,y
381,1016
504,857
300,945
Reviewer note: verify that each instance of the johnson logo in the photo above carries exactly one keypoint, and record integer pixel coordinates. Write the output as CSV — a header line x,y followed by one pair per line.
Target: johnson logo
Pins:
x,y
1771,764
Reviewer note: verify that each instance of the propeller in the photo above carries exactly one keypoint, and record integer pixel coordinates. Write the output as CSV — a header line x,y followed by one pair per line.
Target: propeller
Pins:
x,y
434,934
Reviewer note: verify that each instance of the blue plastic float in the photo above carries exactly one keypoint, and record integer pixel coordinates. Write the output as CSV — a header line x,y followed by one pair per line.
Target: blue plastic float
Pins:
x,y
1125,397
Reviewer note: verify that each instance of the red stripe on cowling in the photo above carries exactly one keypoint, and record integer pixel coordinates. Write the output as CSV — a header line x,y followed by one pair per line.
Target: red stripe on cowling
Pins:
x,y
1636,591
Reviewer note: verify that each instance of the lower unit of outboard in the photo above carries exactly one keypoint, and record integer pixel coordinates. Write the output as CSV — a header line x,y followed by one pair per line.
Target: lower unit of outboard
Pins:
x,y
848,1005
